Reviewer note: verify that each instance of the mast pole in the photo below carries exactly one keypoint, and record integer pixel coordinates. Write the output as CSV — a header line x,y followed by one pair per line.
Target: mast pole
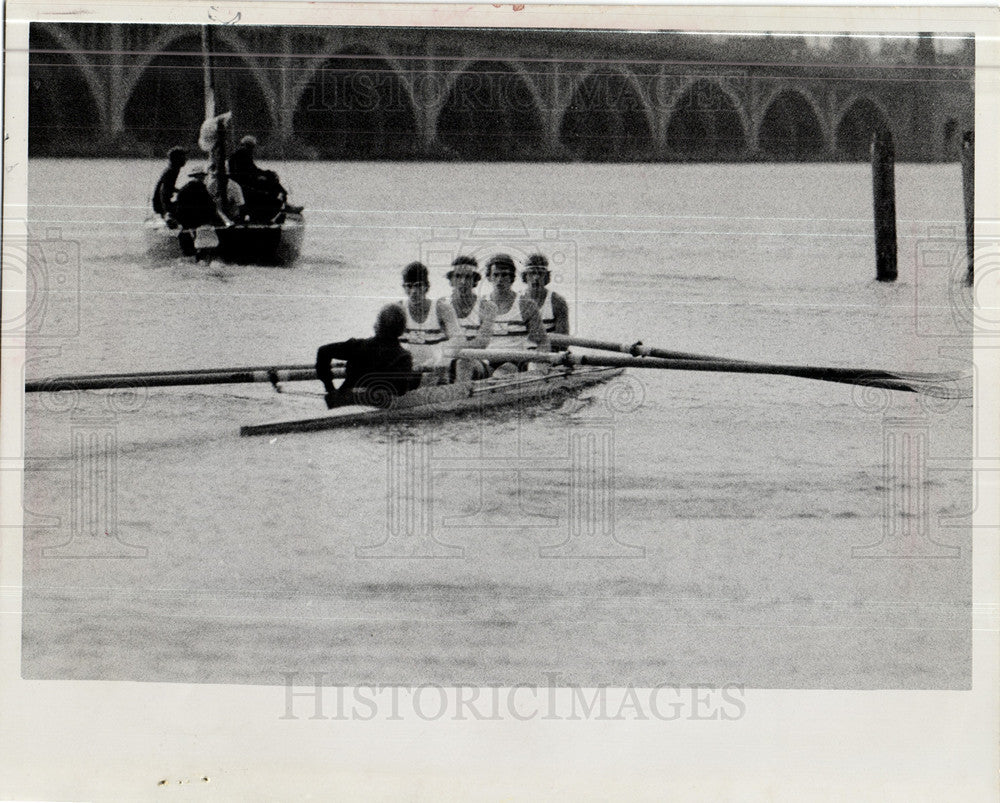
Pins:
x,y
206,68
218,155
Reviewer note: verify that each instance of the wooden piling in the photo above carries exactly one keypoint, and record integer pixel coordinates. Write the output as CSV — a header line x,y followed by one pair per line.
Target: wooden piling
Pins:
x,y
968,194
884,198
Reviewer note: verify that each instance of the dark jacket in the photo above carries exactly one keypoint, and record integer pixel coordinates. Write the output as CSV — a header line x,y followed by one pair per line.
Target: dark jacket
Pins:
x,y
196,207
242,167
380,367
264,195
164,192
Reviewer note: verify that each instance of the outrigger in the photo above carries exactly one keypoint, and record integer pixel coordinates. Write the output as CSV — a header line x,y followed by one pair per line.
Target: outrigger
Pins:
x,y
555,376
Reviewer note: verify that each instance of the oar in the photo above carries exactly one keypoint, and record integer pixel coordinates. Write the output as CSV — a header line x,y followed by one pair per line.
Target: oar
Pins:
x,y
202,376
880,379
922,382
635,349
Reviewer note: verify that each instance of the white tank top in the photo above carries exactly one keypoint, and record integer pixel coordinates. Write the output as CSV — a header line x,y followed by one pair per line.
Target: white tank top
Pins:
x,y
509,329
423,340
428,333
547,314
470,323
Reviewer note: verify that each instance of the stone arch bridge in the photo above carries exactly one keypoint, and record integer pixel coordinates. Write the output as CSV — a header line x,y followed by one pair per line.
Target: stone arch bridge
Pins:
x,y
105,89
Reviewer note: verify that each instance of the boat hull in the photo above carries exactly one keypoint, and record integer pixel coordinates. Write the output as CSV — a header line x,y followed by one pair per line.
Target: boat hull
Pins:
x,y
530,387
248,244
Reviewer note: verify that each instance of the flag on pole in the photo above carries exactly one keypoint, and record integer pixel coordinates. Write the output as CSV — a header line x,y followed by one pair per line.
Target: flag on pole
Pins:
x,y
208,135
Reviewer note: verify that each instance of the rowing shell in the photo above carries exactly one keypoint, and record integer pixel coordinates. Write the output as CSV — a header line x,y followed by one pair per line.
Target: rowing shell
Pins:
x,y
483,394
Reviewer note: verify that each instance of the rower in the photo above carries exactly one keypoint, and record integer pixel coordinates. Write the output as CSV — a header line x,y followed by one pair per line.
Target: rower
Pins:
x,y
378,368
467,318
551,306
518,325
425,336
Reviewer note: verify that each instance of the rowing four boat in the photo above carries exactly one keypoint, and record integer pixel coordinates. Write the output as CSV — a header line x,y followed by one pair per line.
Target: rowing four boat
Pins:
x,y
563,374
529,387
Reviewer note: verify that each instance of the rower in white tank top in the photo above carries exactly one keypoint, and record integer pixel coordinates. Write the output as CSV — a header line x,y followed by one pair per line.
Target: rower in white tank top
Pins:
x,y
424,339
467,318
472,322
547,315
473,314
509,329
517,326
552,307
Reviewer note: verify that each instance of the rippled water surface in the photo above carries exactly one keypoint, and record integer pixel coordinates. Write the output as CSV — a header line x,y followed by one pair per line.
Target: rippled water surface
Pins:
x,y
667,528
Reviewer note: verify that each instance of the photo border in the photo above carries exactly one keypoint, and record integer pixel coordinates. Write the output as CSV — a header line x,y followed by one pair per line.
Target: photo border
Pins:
x,y
105,739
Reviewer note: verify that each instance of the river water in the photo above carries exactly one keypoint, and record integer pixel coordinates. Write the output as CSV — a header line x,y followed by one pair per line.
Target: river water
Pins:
x,y
666,528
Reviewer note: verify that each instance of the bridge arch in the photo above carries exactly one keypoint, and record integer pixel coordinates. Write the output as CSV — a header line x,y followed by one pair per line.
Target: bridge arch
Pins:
x,y
336,43
164,107
262,126
380,77
706,119
74,96
792,125
607,116
356,104
162,42
104,67
490,109
858,118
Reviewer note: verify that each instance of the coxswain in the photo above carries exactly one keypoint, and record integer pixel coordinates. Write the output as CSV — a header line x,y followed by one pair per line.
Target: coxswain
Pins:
x,y
552,307
517,325
378,368
163,194
426,336
471,316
